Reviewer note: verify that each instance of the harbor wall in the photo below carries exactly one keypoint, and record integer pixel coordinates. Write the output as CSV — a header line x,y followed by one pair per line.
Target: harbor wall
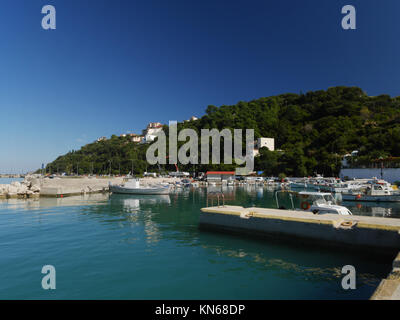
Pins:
x,y
391,174
366,232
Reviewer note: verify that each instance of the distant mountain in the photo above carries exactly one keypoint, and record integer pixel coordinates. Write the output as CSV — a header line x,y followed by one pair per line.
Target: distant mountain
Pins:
x,y
313,130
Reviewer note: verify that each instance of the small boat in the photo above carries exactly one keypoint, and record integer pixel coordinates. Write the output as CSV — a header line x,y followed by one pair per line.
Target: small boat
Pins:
x,y
298,185
317,203
185,183
344,187
377,192
132,186
195,184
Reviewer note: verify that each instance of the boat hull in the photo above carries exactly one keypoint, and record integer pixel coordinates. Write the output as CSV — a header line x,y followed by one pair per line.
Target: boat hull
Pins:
x,y
141,191
367,198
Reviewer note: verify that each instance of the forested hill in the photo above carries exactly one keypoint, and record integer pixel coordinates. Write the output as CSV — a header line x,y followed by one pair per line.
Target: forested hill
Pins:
x,y
313,130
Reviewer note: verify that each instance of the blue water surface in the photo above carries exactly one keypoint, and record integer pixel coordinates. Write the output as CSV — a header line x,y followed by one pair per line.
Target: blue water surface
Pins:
x,y
150,247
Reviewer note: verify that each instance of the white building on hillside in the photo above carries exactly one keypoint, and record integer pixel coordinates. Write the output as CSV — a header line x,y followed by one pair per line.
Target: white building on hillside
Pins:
x,y
135,137
263,142
193,118
150,132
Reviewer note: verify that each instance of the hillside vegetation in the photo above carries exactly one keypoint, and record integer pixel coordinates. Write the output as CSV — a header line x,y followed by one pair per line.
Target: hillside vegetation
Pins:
x,y
312,131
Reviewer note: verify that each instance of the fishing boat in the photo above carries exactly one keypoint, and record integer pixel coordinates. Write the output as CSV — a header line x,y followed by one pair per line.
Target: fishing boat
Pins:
x,y
298,184
316,202
344,187
376,192
132,186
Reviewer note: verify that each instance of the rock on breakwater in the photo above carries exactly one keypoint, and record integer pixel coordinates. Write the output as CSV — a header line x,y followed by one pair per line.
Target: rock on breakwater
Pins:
x,y
28,188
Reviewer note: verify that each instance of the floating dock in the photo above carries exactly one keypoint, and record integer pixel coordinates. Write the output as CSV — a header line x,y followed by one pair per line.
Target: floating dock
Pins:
x,y
331,229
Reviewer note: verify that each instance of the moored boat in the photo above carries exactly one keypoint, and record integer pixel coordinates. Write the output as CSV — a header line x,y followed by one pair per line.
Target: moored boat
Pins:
x,y
374,193
132,186
317,203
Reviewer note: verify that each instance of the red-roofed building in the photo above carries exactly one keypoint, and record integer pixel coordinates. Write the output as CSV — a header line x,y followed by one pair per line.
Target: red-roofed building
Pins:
x,y
218,176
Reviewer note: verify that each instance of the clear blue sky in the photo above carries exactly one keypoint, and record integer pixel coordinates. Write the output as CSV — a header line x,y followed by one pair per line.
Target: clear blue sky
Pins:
x,y
113,66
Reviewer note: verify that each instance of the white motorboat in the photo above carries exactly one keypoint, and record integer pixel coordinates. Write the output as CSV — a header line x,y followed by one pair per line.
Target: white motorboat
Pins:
x,y
132,186
321,202
317,203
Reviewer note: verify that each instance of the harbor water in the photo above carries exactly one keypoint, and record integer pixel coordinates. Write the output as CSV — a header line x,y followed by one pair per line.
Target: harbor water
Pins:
x,y
150,247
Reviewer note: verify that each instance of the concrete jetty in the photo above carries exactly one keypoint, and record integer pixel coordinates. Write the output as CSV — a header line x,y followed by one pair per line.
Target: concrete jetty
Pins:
x,y
64,187
370,233
60,187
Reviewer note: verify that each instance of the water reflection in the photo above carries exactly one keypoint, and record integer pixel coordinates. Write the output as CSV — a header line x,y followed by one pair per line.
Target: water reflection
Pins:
x,y
39,203
374,209
139,210
133,202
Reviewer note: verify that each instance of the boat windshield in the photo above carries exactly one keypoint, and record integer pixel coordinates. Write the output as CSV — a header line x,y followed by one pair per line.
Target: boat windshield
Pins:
x,y
321,198
329,198
301,199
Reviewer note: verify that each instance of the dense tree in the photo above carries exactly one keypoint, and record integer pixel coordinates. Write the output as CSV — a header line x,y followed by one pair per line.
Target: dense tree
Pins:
x,y
313,131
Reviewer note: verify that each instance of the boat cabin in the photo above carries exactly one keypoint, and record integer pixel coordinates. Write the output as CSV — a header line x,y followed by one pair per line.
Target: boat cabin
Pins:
x,y
378,190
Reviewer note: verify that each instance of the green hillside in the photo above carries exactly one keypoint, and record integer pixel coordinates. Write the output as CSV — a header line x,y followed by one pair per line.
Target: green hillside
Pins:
x,y
313,130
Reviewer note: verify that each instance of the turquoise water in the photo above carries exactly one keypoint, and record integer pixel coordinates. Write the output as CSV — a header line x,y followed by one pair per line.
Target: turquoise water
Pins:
x,y
138,247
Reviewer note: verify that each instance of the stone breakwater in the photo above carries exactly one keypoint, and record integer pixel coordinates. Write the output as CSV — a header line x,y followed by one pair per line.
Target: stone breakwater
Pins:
x,y
62,187
35,186
28,188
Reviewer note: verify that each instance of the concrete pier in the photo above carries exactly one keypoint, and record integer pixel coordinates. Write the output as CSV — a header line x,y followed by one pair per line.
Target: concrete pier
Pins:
x,y
370,233
60,187
65,187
